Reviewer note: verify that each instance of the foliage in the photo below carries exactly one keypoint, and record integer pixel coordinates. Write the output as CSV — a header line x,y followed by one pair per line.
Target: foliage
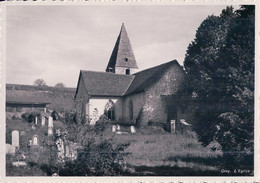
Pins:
x,y
96,159
39,82
60,85
220,72
55,115
30,116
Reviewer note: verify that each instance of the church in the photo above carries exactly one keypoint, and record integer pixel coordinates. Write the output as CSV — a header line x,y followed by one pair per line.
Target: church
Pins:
x,y
127,96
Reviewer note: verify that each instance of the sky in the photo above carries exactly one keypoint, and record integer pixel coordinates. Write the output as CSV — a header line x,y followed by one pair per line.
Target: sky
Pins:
x,y
55,42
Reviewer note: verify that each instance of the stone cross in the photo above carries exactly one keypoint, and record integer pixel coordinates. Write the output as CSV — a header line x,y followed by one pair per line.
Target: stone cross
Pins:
x,y
114,128
50,122
43,121
173,126
15,138
132,128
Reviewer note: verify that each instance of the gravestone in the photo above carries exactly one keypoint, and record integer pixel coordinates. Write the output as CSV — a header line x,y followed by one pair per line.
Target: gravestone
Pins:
x,y
43,121
132,128
10,149
118,127
35,140
173,126
15,138
22,133
33,126
30,142
50,131
36,120
114,128
50,122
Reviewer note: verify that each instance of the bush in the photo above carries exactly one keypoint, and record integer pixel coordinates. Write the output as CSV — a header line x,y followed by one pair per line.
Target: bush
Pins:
x,y
70,117
30,117
96,159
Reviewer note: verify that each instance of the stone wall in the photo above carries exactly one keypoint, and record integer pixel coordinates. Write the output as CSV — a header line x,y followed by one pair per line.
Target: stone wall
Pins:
x,y
154,107
80,102
137,101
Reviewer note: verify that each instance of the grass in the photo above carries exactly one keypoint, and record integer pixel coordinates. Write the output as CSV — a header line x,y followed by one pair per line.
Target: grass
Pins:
x,y
152,151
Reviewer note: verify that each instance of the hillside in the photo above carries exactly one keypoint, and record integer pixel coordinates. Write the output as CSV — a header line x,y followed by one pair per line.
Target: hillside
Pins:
x,y
60,99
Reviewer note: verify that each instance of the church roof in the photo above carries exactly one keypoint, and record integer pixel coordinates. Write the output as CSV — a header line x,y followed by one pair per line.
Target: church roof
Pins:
x,y
105,84
122,54
146,78
111,84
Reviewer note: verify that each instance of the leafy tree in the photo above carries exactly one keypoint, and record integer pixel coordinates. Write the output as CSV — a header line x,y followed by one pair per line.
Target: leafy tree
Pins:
x,y
220,71
59,85
39,82
200,64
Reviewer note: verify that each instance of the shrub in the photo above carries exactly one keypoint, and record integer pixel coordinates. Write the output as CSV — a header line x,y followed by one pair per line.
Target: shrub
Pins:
x,y
70,117
101,124
55,115
30,117
96,159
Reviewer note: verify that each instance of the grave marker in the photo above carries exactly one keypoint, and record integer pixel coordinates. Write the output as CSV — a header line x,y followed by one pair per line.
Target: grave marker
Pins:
x,y
15,138
35,140
50,122
43,121
114,128
173,126
118,127
132,128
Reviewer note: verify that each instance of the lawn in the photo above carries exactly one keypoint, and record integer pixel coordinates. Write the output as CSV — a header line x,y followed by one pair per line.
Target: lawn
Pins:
x,y
151,151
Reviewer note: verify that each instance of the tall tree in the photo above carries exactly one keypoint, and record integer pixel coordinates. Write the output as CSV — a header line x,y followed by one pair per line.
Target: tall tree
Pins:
x,y
220,69
201,67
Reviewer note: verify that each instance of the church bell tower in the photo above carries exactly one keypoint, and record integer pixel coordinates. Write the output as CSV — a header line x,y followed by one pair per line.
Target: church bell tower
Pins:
x,y
122,60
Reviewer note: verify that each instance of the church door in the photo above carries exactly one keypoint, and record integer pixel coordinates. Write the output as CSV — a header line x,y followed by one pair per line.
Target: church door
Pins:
x,y
172,112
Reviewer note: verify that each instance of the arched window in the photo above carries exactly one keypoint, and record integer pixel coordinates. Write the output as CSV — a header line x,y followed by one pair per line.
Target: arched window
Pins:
x,y
127,71
110,110
131,111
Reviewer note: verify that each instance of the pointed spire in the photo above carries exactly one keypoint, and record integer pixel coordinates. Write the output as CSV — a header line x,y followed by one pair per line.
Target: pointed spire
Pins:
x,y
122,55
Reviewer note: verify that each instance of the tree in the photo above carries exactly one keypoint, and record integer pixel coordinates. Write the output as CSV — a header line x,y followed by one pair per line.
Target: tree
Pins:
x,y
59,85
39,82
220,70
200,64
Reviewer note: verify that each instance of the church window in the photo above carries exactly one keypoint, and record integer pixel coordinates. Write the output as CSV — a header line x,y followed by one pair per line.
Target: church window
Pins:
x,y
127,71
131,111
110,110
126,59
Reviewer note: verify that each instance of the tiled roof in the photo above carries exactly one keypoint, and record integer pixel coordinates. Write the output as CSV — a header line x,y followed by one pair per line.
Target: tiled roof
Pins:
x,y
27,97
122,55
106,84
110,84
148,77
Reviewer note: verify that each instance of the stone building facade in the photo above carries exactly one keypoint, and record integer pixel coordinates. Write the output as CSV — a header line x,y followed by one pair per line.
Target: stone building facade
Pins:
x,y
128,97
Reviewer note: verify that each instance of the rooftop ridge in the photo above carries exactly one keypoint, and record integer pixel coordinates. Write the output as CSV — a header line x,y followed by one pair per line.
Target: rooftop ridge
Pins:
x,y
172,61
102,72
